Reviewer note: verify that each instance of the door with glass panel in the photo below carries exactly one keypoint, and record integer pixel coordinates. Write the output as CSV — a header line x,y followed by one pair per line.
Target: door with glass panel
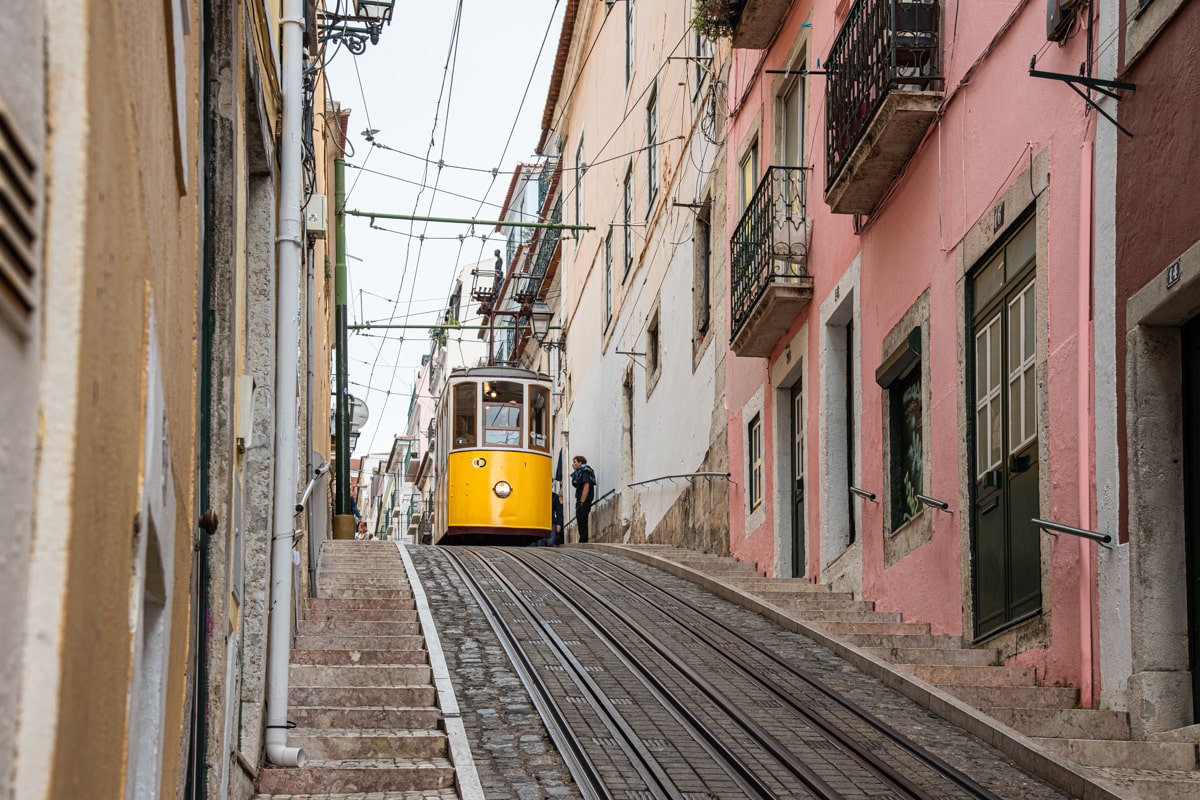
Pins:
x,y
1005,542
797,478
789,215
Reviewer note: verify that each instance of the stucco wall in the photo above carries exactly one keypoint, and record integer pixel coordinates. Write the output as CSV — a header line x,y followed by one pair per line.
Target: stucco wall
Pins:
x,y
22,104
990,133
139,247
1158,179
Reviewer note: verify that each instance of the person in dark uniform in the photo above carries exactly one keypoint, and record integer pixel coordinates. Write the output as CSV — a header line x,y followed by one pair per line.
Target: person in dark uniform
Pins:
x,y
583,478
556,524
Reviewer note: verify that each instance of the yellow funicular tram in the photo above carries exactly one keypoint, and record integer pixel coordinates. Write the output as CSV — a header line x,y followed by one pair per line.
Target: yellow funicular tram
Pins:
x,y
493,479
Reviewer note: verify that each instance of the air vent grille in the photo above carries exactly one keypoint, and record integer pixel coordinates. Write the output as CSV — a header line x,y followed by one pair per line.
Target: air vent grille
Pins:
x,y
18,219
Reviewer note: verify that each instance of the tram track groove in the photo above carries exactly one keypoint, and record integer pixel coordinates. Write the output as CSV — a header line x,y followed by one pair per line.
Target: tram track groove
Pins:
x,y
780,752
811,782
587,773
788,696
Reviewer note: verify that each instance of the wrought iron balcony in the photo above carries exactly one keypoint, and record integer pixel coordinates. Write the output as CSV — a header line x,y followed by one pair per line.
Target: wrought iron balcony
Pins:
x,y
884,88
769,280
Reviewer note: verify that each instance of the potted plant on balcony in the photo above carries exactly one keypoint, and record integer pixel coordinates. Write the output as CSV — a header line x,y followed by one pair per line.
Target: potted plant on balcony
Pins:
x,y
716,19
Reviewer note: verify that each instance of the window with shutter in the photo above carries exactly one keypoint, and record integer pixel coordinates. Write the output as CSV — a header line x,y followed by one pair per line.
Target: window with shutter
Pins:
x,y
18,221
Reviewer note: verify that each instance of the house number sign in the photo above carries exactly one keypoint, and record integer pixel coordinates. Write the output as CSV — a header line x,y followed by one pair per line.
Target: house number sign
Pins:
x,y
1174,273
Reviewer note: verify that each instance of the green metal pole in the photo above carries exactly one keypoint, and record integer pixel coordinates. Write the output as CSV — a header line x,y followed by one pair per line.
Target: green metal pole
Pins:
x,y
342,409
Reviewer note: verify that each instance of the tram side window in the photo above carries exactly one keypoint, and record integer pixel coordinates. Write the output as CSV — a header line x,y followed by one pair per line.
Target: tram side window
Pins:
x,y
539,418
464,416
502,402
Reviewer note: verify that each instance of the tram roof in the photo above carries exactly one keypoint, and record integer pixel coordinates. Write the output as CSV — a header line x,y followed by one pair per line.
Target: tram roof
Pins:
x,y
519,373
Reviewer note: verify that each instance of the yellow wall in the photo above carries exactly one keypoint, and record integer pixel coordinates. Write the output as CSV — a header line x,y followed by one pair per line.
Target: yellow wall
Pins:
x,y
140,241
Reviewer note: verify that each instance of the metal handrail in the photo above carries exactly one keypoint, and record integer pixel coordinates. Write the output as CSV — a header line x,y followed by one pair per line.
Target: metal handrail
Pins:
x,y
934,502
321,470
725,475
1057,527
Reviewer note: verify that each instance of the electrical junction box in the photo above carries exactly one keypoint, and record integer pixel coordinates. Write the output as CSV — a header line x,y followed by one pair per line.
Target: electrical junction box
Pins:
x,y
1059,14
314,216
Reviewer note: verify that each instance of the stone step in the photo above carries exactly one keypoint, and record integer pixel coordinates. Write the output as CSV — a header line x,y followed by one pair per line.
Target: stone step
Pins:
x,y
363,593
368,718
358,655
351,642
949,674
777,586
358,675
329,605
959,658
816,605
325,745
326,586
835,614
882,628
721,565
921,650
1151,785
1068,723
362,696
1189,734
319,615
1132,755
919,641
358,775
985,697
363,578
429,794
359,627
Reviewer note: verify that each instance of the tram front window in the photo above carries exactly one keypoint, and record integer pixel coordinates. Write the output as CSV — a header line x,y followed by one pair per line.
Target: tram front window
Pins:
x,y
502,404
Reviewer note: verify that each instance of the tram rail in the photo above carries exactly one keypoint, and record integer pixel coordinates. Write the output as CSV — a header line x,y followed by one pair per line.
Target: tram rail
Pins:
x,y
647,630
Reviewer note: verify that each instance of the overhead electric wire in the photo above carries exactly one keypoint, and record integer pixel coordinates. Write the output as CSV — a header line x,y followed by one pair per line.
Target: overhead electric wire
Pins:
x,y
443,95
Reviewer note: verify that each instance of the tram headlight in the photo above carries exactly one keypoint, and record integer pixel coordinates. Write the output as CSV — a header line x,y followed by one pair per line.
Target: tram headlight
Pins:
x,y
502,489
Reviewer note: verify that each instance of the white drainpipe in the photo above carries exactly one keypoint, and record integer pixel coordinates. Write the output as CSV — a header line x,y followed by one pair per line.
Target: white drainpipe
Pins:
x,y
287,356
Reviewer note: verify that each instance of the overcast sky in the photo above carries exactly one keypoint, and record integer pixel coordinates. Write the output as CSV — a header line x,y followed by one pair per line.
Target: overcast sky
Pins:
x,y
463,83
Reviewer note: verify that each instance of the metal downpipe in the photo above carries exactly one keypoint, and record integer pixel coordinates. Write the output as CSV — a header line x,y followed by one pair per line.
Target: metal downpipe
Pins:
x,y
287,356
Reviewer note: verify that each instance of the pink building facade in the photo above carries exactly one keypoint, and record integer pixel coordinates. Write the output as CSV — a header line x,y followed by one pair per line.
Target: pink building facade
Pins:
x,y
909,381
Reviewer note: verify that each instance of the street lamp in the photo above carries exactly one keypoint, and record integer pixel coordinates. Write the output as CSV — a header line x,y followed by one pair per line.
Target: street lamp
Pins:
x,y
355,30
539,319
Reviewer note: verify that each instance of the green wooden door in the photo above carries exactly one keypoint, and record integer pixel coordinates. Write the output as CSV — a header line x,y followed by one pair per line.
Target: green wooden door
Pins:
x,y
1006,560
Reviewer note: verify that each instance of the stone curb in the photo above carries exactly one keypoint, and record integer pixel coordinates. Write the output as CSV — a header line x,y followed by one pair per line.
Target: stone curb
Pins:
x,y
466,776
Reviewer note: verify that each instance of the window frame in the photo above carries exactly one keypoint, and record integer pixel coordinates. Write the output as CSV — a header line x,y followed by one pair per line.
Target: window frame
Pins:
x,y
651,150
519,428
627,221
470,439
608,278
899,511
630,31
580,173
702,257
754,462
537,413
748,176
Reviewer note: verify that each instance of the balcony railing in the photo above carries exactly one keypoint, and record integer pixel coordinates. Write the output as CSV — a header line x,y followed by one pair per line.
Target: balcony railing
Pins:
x,y
885,47
770,281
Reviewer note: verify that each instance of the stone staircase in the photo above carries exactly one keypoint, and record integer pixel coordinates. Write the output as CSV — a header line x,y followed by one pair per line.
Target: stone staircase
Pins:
x,y
361,692
1097,741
